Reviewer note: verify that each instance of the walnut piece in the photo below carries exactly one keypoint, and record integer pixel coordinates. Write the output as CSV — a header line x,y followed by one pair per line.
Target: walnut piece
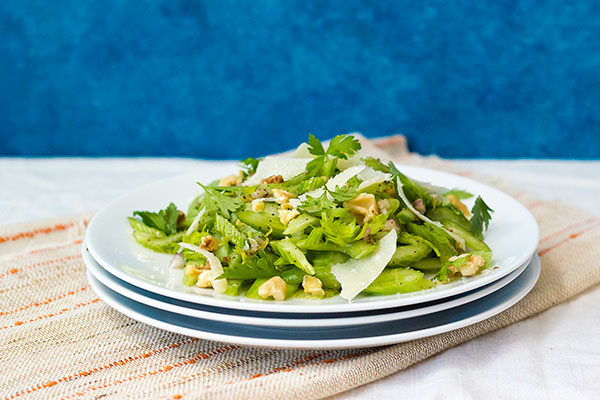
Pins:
x,y
272,179
313,285
205,279
232,180
363,207
459,204
274,287
209,243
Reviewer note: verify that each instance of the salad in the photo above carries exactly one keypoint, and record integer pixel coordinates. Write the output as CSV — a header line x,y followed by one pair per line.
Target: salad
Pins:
x,y
321,222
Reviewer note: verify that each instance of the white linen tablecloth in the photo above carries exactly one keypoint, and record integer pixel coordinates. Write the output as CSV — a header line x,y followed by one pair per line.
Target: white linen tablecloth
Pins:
x,y
554,355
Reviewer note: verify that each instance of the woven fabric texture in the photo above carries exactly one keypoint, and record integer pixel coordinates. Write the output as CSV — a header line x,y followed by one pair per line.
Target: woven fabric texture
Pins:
x,y
59,340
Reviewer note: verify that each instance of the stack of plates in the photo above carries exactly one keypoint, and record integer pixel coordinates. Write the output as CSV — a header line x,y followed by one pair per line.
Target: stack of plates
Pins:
x,y
138,283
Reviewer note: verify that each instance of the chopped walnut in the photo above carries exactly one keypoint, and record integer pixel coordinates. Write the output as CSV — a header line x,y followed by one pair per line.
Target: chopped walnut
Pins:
x,y
460,205
470,267
272,179
286,215
313,285
205,279
281,196
232,180
275,287
363,207
209,243
260,193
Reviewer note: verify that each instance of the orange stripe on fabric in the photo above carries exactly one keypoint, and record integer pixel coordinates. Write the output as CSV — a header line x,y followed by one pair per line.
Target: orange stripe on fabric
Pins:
x,y
572,236
40,231
41,317
45,301
166,368
565,229
300,364
13,271
104,367
47,249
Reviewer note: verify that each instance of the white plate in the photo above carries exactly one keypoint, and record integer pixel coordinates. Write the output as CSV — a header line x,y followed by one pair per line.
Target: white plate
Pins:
x,y
286,319
333,338
513,237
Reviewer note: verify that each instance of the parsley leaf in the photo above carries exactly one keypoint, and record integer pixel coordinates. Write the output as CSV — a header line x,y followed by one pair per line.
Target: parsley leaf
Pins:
x,y
163,220
261,265
213,200
339,229
314,205
343,193
377,165
249,165
481,216
315,147
343,146
325,162
459,194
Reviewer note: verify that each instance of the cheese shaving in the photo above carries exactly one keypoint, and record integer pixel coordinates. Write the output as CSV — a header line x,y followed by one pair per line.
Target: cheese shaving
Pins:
x,y
220,285
356,275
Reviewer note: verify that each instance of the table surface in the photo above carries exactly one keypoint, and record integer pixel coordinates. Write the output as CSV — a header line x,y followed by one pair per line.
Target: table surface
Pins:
x,y
553,355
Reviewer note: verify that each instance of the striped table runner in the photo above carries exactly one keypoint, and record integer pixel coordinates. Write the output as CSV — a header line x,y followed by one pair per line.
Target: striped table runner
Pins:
x,y
58,340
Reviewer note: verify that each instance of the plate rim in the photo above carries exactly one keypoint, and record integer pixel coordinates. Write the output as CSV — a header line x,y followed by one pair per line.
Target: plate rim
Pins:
x,y
370,341
390,301
474,295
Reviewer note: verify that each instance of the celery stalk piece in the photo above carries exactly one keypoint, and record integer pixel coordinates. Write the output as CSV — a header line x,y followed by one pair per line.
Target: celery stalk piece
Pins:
x,y
287,248
300,223
229,231
322,262
233,287
263,222
164,245
427,264
406,255
398,280
471,241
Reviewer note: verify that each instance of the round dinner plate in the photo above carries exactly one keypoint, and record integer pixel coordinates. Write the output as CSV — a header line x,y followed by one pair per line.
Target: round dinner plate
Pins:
x,y
286,319
376,334
512,235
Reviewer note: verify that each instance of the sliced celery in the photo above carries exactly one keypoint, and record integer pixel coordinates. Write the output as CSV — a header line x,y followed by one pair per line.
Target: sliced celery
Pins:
x,y
406,255
264,222
167,244
229,231
398,280
287,248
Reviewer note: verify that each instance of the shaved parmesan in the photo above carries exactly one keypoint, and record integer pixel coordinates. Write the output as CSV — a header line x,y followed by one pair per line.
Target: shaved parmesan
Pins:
x,y
460,241
356,275
301,152
194,225
351,162
369,177
287,167
220,285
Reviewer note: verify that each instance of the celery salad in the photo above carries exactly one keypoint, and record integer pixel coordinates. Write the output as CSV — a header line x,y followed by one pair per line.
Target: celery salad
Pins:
x,y
321,222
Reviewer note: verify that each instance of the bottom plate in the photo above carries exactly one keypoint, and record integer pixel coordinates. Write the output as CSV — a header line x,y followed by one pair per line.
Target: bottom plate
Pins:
x,y
376,334
286,319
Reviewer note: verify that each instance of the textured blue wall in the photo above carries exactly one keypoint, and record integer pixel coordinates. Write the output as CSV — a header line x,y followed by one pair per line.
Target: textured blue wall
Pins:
x,y
229,79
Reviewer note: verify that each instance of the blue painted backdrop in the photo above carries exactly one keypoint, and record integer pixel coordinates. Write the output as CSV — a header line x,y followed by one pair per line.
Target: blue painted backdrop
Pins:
x,y
235,78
